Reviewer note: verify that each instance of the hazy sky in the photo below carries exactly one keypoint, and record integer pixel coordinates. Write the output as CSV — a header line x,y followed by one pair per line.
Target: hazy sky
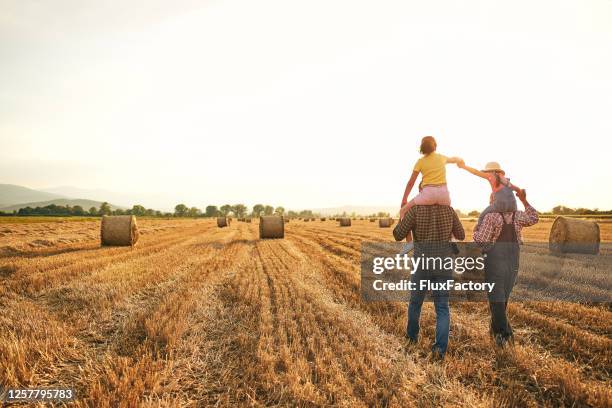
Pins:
x,y
306,103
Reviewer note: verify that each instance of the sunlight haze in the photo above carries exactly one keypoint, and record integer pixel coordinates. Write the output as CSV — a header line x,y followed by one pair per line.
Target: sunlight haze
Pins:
x,y
306,104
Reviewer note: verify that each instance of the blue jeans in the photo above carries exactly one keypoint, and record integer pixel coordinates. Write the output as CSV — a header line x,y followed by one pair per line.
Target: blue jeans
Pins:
x,y
503,201
440,299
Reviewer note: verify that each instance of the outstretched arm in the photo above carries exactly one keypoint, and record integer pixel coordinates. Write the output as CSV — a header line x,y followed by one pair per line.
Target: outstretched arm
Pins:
x,y
409,186
454,159
473,170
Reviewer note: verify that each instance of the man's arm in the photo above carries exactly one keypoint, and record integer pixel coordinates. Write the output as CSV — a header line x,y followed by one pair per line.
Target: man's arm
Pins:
x,y
458,231
528,217
405,225
488,230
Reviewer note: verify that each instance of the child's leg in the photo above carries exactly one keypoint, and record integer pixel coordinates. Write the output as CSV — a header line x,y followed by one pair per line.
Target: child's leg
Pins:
x,y
504,201
405,209
489,209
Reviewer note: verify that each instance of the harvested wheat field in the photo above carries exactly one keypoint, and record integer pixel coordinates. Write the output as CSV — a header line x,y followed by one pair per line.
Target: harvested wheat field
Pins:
x,y
197,315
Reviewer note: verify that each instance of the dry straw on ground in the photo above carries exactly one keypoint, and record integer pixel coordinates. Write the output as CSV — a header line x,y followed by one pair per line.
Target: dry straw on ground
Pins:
x,y
119,230
197,315
574,235
271,226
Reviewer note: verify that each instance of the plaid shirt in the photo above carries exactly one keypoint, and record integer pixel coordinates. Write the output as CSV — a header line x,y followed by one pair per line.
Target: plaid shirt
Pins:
x,y
430,223
489,229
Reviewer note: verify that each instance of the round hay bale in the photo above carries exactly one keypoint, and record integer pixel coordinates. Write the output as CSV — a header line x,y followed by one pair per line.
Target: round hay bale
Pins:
x,y
222,222
271,226
384,222
372,219
323,219
249,220
285,219
118,230
574,235
345,222
306,219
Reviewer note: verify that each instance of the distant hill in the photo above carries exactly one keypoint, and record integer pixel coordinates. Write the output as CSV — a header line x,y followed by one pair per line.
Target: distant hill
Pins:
x,y
11,194
86,204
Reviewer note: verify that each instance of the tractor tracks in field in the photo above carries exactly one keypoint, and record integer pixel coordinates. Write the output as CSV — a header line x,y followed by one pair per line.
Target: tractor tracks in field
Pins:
x,y
339,271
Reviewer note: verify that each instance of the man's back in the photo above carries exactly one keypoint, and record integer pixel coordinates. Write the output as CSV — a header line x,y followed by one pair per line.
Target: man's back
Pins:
x,y
430,223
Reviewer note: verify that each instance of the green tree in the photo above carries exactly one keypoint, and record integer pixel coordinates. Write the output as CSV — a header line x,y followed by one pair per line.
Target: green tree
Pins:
x,y
225,210
78,210
239,210
194,212
279,211
138,210
93,211
212,211
268,210
149,212
180,210
292,214
257,210
105,209
473,213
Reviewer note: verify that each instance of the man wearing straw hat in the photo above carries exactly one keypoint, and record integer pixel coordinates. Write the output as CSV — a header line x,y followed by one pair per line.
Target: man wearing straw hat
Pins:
x,y
499,234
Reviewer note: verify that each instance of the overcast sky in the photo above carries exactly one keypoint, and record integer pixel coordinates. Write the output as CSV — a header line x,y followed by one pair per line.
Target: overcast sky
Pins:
x,y
306,103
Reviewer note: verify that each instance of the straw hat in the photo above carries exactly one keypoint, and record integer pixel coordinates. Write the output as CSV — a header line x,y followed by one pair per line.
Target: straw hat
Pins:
x,y
493,166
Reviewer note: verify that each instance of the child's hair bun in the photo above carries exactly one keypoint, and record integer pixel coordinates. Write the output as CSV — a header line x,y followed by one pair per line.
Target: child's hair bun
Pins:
x,y
428,145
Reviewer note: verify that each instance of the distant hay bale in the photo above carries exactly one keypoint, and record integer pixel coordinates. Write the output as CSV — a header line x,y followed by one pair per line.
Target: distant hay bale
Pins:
x,y
372,219
322,218
312,219
249,220
119,230
384,222
574,235
345,222
285,219
306,219
222,222
271,226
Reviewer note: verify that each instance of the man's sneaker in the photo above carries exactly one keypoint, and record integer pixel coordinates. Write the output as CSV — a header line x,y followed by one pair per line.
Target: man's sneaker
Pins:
x,y
436,355
411,341
500,341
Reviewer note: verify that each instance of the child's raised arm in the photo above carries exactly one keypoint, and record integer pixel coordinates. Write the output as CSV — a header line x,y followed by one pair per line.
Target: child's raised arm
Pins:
x,y
454,159
409,186
473,170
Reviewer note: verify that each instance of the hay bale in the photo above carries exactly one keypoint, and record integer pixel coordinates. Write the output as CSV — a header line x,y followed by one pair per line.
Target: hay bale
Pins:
x,y
285,219
345,222
574,235
323,219
306,219
271,226
249,220
372,219
222,222
384,222
119,230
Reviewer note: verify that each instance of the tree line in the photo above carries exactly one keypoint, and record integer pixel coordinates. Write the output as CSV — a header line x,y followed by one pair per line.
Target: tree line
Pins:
x,y
180,210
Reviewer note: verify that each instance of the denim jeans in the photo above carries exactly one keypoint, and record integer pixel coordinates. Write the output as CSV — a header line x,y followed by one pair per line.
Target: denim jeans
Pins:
x,y
503,201
440,300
